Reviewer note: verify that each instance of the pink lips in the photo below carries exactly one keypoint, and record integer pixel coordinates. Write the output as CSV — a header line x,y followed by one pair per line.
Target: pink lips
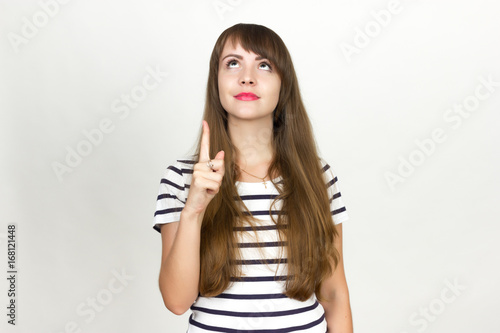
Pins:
x,y
246,96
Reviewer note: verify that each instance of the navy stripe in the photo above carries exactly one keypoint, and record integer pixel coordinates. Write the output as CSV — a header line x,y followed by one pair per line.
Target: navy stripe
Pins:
x,y
260,227
174,169
256,314
169,196
264,244
190,171
326,167
258,197
335,196
338,211
166,196
331,182
166,211
262,212
251,296
168,182
281,330
261,261
186,161
258,278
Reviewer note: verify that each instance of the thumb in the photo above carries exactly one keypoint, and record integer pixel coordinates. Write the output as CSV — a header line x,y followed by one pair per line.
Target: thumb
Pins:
x,y
220,155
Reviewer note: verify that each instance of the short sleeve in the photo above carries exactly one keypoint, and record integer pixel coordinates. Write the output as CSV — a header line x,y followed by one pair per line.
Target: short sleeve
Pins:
x,y
173,192
337,207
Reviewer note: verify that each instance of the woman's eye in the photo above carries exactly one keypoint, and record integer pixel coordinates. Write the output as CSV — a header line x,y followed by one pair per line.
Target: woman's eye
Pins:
x,y
232,64
265,66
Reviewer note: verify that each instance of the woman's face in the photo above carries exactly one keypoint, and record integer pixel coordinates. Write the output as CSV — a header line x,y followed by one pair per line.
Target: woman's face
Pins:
x,y
249,86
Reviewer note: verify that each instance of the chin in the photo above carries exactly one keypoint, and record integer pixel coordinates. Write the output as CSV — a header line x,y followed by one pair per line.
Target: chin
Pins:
x,y
249,115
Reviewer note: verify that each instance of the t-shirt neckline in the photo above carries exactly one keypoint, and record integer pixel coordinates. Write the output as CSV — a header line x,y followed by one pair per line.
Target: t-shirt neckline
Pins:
x,y
256,184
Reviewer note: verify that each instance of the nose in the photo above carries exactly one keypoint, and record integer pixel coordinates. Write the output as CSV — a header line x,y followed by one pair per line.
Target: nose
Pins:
x,y
247,77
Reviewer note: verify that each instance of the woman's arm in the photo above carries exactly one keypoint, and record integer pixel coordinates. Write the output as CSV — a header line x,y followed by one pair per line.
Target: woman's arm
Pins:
x,y
334,289
180,263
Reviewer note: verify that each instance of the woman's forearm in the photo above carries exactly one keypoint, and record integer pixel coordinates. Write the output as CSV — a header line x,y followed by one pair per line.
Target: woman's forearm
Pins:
x,y
180,270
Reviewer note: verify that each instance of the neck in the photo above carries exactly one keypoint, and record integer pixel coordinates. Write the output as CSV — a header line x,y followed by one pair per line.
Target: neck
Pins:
x,y
252,138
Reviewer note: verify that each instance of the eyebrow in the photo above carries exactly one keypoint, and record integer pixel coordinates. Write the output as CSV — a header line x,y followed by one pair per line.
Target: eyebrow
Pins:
x,y
237,56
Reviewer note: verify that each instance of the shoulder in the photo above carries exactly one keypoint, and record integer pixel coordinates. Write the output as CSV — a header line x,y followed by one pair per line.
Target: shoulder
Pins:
x,y
183,165
337,206
174,188
330,178
179,173
328,172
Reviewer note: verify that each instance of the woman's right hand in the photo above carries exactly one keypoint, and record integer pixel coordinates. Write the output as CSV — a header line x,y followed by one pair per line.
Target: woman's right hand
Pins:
x,y
206,181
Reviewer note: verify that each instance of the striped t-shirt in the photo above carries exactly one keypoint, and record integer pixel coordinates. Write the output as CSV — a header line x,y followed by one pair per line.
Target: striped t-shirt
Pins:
x,y
255,301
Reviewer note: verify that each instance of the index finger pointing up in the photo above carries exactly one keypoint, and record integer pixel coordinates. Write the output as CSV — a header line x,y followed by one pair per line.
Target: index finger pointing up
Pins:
x,y
205,143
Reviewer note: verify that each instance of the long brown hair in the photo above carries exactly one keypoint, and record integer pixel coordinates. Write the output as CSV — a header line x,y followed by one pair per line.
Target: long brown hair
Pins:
x,y
305,220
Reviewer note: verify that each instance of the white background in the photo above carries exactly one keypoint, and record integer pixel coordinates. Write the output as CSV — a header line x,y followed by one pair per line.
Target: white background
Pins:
x,y
402,243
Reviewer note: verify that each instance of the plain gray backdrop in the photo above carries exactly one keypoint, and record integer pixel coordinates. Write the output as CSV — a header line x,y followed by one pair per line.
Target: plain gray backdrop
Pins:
x,y
97,98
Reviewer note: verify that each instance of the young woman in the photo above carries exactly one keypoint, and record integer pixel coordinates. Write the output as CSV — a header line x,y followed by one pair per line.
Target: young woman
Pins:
x,y
251,225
